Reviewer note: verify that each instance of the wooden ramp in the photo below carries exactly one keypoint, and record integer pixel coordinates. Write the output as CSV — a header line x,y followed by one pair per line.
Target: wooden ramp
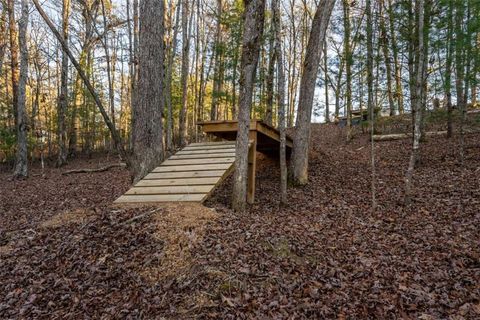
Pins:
x,y
190,175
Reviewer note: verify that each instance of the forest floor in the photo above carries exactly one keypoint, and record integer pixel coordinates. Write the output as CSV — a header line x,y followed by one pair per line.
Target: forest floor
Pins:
x,y
66,252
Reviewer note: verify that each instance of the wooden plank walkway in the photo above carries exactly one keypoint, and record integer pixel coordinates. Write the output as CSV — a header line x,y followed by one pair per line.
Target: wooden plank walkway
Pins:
x,y
190,175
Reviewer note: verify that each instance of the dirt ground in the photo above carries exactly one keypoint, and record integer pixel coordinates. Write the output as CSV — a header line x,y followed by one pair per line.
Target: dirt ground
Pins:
x,y
65,252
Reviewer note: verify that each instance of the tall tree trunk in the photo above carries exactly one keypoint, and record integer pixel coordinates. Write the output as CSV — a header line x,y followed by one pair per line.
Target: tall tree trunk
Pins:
x,y
21,161
270,74
348,67
398,68
168,80
218,47
419,87
234,84
426,43
460,67
149,100
325,69
184,77
448,69
313,55
13,55
277,28
386,57
468,73
62,102
368,9
110,72
254,17
3,34
412,62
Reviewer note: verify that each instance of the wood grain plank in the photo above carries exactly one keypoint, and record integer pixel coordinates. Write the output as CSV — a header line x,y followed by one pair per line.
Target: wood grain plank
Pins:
x,y
161,198
214,143
177,182
207,147
188,174
231,150
178,162
201,156
199,167
170,190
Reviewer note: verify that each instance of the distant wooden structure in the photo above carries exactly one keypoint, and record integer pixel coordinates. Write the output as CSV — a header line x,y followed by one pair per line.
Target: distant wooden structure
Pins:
x,y
194,172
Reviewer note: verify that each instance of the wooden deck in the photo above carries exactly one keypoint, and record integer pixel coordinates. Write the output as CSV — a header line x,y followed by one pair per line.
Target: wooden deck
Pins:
x,y
263,138
190,175
267,138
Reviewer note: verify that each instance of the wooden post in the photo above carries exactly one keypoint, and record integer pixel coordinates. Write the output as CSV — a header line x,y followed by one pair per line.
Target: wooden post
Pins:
x,y
252,165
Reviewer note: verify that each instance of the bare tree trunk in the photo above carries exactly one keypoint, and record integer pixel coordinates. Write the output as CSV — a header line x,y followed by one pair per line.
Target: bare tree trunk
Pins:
x,y
110,78
419,87
234,84
217,62
269,78
21,161
386,57
348,67
448,69
368,9
281,100
398,69
313,55
182,125
62,102
253,29
3,34
13,55
460,67
168,80
325,69
130,50
149,100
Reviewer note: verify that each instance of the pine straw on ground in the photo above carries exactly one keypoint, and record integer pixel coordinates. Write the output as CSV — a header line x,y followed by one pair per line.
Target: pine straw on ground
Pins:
x,y
324,255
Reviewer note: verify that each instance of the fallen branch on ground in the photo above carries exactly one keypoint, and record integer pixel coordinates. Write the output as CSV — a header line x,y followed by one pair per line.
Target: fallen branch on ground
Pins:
x,y
399,136
95,170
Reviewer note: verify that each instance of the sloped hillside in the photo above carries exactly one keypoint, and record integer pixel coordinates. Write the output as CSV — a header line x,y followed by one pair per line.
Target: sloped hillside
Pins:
x,y
326,254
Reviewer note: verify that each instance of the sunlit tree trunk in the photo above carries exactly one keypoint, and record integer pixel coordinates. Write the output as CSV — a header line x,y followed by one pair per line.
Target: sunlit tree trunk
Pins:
x,y
398,68
13,36
269,78
448,69
62,102
149,100
252,33
277,28
109,65
217,63
386,57
182,123
460,67
348,66
168,79
419,87
21,161
3,34
325,69
313,55
368,9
